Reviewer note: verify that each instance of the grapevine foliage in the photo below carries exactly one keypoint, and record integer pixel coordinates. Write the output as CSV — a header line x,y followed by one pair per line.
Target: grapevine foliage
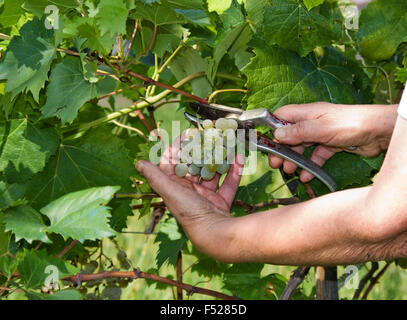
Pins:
x,y
67,175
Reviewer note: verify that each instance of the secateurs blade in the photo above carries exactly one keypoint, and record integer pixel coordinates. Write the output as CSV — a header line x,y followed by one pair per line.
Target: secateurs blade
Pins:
x,y
249,120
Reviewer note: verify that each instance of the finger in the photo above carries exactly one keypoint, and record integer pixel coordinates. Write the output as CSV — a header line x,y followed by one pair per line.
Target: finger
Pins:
x,y
211,184
170,157
302,132
290,167
299,112
158,180
320,155
275,162
232,180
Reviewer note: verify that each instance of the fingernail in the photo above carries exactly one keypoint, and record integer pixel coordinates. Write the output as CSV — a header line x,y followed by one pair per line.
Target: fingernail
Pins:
x,y
139,165
279,134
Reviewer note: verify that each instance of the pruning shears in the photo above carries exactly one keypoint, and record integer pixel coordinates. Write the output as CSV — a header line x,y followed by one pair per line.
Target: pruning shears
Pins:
x,y
249,119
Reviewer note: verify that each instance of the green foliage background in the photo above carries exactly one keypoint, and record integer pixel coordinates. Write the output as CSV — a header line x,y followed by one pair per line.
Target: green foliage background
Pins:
x,y
67,171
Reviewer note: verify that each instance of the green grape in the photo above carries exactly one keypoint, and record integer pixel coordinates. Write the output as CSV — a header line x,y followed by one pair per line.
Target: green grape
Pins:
x,y
220,154
223,168
186,142
212,167
194,170
207,124
221,124
229,138
186,156
206,175
181,170
232,124
191,132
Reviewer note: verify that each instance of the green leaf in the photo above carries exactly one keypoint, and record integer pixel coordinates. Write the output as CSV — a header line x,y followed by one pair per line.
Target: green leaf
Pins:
x,y
36,266
159,14
4,236
11,194
28,59
277,77
290,25
112,16
8,264
81,215
12,11
255,10
401,75
97,159
313,3
68,90
67,294
38,6
26,223
245,281
192,10
25,148
232,38
171,238
187,62
383,25
218,6
256,192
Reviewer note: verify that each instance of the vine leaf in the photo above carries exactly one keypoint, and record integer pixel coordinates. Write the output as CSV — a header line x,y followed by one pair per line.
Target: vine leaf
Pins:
x,y
171,238
255,10
11,194
313,3
38,6
246,282
277,77
96,159
34,268
12,12
28,59
25,148
66,294
112,16
81,215
78,215
289,24
26,223
383,25
189,61
4,236
68,90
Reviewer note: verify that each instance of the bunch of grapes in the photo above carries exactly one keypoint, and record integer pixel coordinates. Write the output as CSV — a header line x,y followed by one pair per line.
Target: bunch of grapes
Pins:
x,y
205,151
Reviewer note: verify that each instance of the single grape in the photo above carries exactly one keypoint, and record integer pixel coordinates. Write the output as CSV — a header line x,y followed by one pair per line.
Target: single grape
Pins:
x,y
229,138
223,168
194,170
207,124
220,154
206,175
191,132
186,142
181,170
186,156
221,124
211,167
232,124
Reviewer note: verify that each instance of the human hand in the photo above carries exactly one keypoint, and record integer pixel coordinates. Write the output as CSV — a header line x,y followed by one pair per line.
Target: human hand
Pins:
x,y
335,128
198,206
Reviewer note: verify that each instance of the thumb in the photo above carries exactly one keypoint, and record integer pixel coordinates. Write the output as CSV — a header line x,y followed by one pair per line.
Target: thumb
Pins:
x,y
299,133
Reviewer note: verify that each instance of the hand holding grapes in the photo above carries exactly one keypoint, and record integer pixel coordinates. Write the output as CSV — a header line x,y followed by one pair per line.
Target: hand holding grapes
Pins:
x,y
197,204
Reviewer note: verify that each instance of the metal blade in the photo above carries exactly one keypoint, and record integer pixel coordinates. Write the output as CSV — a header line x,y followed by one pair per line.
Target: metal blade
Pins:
x,y
214,111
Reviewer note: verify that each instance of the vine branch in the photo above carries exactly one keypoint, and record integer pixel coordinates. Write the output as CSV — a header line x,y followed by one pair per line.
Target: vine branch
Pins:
x,y
136,274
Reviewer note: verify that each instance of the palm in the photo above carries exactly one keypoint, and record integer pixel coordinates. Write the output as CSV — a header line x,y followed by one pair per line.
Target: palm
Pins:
x,y
222,197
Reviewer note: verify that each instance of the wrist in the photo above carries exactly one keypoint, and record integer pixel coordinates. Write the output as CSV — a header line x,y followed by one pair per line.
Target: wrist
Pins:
x,y
380,123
